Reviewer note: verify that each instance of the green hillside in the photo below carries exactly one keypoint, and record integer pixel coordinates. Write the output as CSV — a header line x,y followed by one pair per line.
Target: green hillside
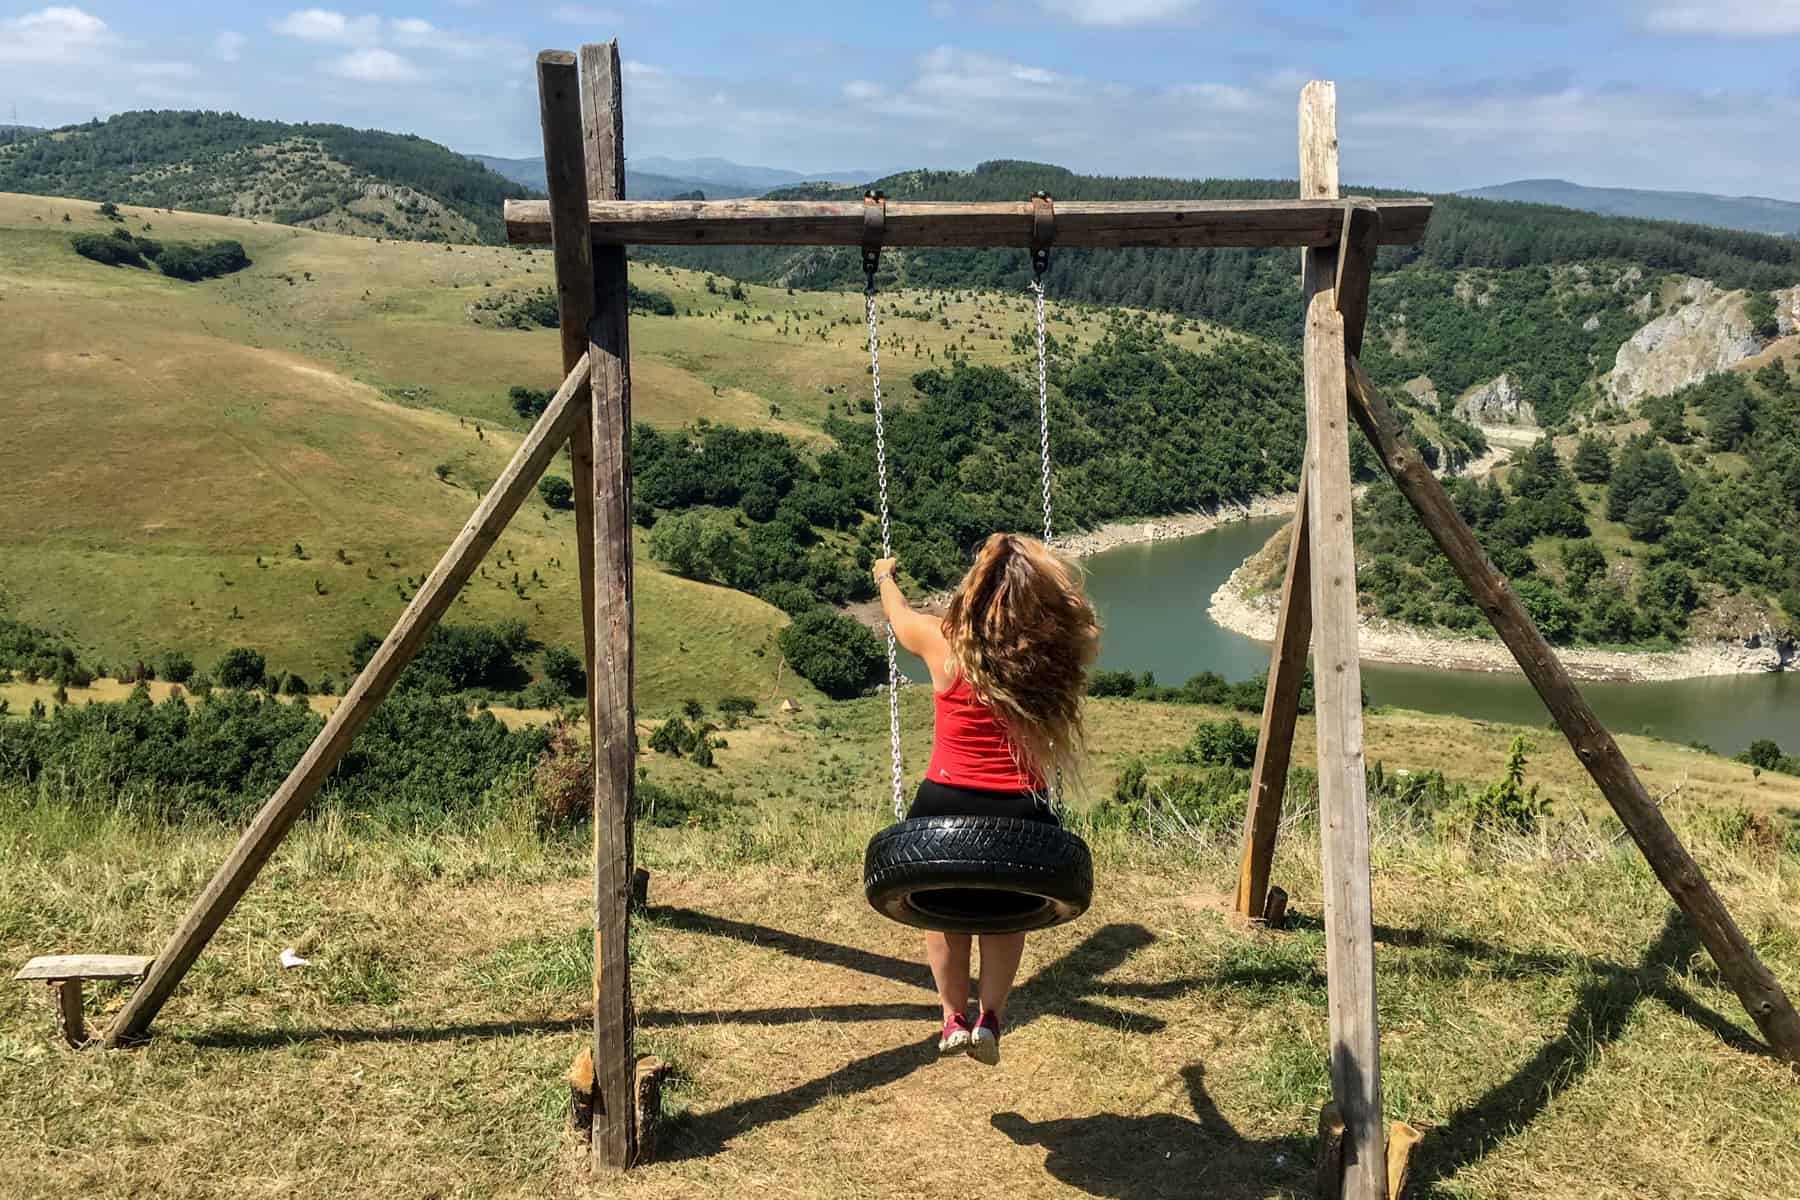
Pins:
x,y
327,177
275,458
1527,260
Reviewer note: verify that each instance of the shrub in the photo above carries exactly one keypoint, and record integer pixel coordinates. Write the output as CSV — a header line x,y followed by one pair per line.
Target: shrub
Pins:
x,y
294,685
241,668
1223,743
693,805
673,736
111,251
737,706
833,652
176,667
563,669
557,491
1507,805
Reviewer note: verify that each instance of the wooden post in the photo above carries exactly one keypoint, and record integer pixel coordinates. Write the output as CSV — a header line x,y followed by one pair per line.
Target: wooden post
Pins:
x,y
609,671
1761,994
278,815
1337,684
1281,707
69,1020
565,168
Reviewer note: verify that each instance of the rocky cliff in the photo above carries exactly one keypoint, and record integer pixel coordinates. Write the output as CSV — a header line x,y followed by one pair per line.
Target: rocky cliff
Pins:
x,y
1498,402
1706,332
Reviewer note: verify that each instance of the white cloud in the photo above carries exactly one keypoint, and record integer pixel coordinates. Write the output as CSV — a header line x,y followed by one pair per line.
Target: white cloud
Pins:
x,y
373,65
323,25
1121,12
412,32
58,35
229,46
1721,18
163,70
582,14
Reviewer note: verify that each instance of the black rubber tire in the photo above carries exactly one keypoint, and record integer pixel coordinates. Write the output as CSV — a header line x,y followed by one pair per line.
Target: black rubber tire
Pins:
x,y
978,874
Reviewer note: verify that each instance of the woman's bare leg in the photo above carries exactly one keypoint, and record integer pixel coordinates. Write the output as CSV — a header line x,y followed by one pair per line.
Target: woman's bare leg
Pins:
x,y
948,954
1000,955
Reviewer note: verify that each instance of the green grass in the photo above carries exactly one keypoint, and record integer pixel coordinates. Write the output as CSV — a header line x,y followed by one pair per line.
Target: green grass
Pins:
x,y
1545,1023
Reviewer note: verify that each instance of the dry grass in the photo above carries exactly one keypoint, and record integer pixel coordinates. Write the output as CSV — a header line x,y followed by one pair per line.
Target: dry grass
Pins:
x,y
1544,1020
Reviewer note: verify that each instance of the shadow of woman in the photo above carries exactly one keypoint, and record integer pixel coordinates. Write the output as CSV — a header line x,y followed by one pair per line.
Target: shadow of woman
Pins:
x,y
1166,1154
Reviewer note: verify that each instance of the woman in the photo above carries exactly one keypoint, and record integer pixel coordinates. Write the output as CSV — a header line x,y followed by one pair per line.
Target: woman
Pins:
x,y
1008,668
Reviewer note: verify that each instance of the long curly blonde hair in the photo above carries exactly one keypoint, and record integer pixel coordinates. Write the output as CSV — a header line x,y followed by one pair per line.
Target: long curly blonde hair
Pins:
x,y
1022,633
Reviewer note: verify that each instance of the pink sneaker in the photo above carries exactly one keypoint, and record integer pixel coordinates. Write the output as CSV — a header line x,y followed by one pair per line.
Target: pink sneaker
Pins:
x,y
955,1039
984,1043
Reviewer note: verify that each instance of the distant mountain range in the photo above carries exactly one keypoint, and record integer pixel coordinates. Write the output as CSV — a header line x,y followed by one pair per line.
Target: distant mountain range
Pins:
x,y
657,178
1754,214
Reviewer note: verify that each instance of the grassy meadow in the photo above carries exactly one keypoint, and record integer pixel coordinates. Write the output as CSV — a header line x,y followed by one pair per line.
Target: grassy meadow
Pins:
x,y
1547,1022
171,444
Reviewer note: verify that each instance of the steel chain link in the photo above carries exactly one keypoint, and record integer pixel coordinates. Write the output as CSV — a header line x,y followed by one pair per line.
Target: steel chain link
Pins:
x,y
887,548
1043,382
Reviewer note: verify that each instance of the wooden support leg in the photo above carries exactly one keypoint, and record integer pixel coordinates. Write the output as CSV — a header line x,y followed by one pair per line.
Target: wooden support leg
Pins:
x,y
278,815
1281,706
609,672
1337,682
1762,996
69,1021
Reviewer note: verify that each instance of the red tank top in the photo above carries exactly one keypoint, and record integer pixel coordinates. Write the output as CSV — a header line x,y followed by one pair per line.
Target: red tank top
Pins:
x,y
969,746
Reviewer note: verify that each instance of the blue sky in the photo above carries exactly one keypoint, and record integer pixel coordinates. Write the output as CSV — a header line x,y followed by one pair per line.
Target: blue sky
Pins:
x,y
1693,94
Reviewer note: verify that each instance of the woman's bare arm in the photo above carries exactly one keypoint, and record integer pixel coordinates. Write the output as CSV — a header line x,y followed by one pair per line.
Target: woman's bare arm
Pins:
x,y
921,633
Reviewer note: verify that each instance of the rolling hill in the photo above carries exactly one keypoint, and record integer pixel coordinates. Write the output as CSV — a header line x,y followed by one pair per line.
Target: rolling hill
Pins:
x,y
1756,214
275,458
671,178
326,177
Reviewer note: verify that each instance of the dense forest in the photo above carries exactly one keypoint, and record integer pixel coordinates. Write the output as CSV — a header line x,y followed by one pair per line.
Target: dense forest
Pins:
x,y
1620,538
1139,426
203,161
1540,273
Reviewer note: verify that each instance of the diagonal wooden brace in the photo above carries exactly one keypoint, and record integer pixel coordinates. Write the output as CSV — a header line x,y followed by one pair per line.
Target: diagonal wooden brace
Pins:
x,y
278,815
1355,254
1762,996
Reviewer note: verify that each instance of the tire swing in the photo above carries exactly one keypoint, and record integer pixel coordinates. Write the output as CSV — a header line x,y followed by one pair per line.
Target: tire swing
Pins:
x,y
968,874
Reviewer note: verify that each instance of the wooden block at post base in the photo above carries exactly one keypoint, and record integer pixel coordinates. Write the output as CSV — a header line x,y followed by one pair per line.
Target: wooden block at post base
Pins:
x,y
1329,1166
647,1089
1274,914
1402,1140
581,1090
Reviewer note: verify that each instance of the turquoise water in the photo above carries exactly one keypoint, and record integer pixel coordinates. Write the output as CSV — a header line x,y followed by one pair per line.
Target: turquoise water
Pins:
x,y
1153,599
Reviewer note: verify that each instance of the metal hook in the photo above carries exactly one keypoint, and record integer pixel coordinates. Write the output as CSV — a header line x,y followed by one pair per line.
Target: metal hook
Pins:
x,y
874,228
1043,231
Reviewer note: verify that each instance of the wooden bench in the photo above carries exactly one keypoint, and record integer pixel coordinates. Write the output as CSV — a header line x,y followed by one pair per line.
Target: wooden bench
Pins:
x,y
64,973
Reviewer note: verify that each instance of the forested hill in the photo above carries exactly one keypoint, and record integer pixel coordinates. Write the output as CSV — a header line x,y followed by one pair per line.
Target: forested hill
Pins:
x,y
1544,295
326,177
1759,214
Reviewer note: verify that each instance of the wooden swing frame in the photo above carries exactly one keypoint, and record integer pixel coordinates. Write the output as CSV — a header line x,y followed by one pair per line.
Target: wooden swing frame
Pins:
x,y
588,223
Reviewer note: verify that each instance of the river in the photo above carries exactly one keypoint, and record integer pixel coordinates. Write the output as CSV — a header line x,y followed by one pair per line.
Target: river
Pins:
x,y
1153,599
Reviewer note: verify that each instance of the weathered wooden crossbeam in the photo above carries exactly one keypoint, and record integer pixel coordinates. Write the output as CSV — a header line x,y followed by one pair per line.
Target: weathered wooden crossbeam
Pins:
x,y
1112,223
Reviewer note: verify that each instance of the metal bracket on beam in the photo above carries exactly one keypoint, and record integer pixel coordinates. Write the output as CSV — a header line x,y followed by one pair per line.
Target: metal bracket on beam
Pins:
x,y
874,229
1043,231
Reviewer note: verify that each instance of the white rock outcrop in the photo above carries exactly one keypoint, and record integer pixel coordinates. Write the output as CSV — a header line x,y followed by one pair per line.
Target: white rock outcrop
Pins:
x,y
1706,333
1787,311
1496,402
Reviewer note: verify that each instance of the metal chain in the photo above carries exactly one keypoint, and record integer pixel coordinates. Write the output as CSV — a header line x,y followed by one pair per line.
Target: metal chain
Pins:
x,y
1043,381
1037,287
887,548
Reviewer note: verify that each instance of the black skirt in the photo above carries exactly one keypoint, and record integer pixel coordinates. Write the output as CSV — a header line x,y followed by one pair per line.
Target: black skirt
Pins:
x,y
938,800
